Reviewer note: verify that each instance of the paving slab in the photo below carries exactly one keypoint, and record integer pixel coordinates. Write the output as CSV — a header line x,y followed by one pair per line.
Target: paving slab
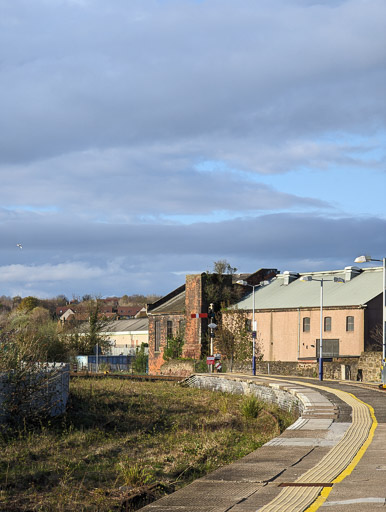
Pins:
x,y
251,483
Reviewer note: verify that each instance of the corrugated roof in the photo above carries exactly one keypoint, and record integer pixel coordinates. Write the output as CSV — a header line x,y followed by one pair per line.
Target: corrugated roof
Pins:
x,y
133,324
299,294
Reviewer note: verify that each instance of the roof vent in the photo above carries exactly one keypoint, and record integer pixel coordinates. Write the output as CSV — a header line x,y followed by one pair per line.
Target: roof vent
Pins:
x,y
351,272
289,277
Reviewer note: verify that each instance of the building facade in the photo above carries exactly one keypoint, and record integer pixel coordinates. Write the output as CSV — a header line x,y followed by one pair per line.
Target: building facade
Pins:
x,y
287,313
179,313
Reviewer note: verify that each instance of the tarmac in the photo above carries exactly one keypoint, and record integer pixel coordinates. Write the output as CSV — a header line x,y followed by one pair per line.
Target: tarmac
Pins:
x,y
332,458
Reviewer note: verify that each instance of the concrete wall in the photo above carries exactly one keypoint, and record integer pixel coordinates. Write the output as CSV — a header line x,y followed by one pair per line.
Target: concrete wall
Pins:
x,y
50,391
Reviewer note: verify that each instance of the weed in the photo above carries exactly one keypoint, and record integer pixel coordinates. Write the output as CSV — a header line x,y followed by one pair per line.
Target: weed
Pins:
x,y
134,475
129,433
251,407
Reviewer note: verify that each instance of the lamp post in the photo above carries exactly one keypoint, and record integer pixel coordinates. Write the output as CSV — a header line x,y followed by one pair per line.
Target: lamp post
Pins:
x,y
321,281
364,259
253,286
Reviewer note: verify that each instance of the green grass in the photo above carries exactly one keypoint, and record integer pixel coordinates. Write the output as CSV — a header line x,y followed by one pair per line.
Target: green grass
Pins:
x,y
122,434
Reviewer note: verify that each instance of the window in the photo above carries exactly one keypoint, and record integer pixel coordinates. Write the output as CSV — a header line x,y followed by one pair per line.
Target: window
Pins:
x,y
349,323
330,348
157,335
169,329
181,327
306,324
327,323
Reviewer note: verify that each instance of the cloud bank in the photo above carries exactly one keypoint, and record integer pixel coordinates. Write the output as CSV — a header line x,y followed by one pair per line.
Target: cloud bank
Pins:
x,y
144,139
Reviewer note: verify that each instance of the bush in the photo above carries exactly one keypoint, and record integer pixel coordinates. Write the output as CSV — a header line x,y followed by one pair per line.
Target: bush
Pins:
x,y
251,407
140,364
174,347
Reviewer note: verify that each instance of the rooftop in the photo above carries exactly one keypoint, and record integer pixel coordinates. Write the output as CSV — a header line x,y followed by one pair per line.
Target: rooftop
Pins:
x,y
360,286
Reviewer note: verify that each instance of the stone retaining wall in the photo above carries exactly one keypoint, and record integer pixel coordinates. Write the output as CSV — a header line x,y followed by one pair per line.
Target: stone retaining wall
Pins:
x,y
370,363
273,393
367,368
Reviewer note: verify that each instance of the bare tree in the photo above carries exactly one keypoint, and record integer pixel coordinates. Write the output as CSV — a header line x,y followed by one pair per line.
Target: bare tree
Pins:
x,y
376,335
233,337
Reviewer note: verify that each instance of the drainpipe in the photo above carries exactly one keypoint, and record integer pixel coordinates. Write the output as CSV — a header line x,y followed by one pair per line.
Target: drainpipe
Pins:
x,y
298,333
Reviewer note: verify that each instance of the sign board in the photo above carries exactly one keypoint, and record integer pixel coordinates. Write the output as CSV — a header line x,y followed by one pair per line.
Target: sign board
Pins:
x,y
217,356
218,366
210,360
199,315
212,326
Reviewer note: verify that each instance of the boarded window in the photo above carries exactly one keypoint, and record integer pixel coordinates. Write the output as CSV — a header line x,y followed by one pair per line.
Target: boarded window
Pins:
x,y
169,329
181,327
330,348
306,324
327,323
349,323
157,335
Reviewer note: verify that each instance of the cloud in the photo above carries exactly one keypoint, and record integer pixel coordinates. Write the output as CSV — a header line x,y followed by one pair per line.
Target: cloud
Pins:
x,y
143,139
207,72
151,258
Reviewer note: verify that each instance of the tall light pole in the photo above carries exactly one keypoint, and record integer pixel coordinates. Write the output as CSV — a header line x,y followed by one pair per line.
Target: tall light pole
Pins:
x,y
321,281
364,259
253,286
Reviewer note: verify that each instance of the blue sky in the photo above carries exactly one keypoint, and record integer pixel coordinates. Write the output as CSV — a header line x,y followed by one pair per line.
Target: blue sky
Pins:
x,y
145,140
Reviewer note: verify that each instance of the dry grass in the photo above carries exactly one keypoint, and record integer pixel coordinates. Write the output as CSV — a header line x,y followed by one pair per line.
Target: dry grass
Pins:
x,y
122,434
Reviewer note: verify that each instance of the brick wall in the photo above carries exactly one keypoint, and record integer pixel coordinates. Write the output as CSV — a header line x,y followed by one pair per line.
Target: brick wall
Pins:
x,y
195,327
156,359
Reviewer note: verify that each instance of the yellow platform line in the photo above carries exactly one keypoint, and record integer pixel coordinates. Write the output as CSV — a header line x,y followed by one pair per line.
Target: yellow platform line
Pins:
x,y
327,490
335,465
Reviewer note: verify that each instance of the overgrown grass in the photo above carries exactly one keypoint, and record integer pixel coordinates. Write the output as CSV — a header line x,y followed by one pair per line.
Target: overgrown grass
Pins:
x,y
122,434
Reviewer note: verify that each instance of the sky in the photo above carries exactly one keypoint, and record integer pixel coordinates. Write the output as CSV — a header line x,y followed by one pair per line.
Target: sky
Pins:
x,y
144,140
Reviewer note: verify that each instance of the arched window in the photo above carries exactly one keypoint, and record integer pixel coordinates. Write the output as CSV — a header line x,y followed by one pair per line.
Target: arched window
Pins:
x,y
306,324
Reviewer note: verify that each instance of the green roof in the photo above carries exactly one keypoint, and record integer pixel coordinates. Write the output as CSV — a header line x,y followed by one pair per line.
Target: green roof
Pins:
x,y
363,286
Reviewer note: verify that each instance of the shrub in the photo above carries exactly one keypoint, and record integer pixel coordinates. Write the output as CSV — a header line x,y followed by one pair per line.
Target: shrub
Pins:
x,y
251,407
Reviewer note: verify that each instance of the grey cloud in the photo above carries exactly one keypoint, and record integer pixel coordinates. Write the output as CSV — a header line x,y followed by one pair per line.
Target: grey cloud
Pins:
x,y
107,259
185,70
104,185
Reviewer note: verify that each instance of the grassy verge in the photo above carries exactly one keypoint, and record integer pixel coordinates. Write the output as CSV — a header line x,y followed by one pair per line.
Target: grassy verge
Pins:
x,y
119,435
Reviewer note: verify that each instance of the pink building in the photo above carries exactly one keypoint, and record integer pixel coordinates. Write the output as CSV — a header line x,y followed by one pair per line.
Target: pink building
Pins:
x,y
287,314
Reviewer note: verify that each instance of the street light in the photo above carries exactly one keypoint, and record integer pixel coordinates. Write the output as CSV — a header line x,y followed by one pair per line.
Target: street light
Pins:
x,y
321,281
364,259
253,286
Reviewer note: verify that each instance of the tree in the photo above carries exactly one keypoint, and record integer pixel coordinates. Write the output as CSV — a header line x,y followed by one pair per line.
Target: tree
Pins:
x,y
173,349
218,286
376,334
28,303
223,267
82,337
141,359
233,337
